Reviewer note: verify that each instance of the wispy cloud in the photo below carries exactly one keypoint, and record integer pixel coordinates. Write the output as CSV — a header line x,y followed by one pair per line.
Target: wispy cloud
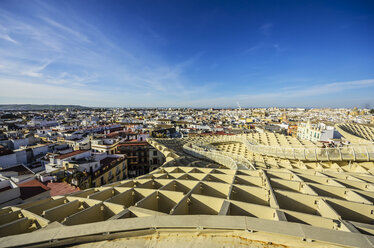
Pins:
x,y
262,46
46,57
59,55
70,31
37,70
7,38
254,48
313,90
290,96
266,29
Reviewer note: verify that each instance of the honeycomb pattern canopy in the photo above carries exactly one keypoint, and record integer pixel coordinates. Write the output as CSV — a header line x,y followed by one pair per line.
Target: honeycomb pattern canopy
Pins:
x,y
212,191
356,133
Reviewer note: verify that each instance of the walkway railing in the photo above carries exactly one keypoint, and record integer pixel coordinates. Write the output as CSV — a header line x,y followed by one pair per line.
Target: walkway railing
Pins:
x,y
199,152
355,152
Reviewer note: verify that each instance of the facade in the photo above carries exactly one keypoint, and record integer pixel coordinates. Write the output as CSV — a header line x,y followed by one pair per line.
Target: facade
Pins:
x,y
9,192
142,157
316,133
96,170
56,161
112,169
108,146
155,158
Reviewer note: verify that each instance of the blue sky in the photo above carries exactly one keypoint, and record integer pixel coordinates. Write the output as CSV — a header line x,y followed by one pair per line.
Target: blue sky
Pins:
x,y
188,53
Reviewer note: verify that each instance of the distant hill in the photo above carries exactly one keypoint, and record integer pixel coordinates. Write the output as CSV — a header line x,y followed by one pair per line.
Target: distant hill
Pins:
x,y
39,107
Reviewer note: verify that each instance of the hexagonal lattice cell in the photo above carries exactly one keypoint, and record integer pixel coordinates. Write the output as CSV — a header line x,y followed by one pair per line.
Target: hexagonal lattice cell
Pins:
x,y
183,186
329,191
161,201
166,175
248,181
45,205
250,194
312,220
297,202
212,189
85,193
353,211
99,212
21,225
151,184
364,228
293,186
192,176
106,193
245,209
198,204
59,213
130,197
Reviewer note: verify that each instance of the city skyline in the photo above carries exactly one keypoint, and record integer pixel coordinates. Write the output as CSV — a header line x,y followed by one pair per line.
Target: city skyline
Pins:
x,y
187,54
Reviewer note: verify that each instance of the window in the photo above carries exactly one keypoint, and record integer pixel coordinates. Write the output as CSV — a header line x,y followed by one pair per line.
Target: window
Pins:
x,y
154,153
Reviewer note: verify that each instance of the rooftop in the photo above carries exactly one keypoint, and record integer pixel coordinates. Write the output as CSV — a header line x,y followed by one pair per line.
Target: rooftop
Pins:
x,y
70,154
20,169
32,188
216,190
133,143
61,188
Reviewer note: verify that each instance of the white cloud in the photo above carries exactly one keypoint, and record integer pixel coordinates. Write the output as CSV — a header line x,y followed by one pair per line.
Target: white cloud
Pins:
x,y
66,29
320,89
254,48
60,54
266,29
7,38
37,70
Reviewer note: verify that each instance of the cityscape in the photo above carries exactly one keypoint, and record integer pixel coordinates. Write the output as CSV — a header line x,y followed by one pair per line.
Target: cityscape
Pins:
x,y
165,124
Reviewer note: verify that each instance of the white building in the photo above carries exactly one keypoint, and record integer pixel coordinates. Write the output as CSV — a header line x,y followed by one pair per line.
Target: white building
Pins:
x,y
317,132
9,192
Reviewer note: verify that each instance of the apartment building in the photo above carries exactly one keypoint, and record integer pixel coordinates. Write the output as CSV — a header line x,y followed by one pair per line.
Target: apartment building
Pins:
x,y
142,157
317,132
108,146
112,169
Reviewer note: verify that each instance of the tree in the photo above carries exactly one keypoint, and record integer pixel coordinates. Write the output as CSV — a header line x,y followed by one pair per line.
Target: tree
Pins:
x,y
371,111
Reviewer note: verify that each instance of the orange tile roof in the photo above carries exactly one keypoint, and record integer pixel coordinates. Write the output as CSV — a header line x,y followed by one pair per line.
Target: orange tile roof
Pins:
x,y
32,188
71,154
61,188
132,143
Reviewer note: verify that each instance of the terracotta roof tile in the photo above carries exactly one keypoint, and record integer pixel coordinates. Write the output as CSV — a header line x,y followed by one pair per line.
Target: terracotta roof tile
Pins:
x,y
71,154
61,188
32,188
